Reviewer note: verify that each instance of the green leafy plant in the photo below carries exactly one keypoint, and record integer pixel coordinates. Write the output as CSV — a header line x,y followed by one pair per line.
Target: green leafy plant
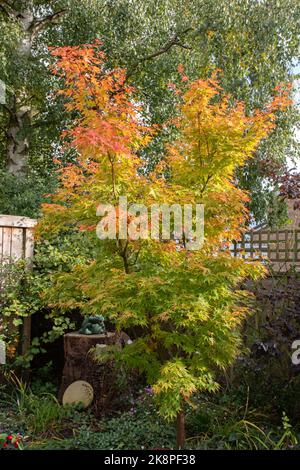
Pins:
x,y
139,428
24,290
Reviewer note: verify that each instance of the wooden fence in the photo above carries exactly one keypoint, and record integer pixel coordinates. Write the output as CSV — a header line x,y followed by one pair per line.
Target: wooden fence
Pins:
x,y
16,242
16,238
280,248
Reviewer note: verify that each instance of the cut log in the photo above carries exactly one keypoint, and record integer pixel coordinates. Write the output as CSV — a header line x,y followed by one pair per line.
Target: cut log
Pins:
x,y
80,365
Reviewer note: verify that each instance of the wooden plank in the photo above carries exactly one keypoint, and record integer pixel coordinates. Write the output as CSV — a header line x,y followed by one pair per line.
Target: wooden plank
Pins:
x,y
16,221
251,245
6,244
234,248
17,251
29,244
243,245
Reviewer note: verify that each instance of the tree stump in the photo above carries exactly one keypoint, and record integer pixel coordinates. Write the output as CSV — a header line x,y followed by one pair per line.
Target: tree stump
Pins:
x,y
80,365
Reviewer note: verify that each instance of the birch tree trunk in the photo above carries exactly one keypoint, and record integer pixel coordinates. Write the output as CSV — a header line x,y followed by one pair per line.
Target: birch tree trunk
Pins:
x,y
19,107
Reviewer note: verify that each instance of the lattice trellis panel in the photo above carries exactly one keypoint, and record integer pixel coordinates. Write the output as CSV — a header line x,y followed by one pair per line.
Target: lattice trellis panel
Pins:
x,y
281,247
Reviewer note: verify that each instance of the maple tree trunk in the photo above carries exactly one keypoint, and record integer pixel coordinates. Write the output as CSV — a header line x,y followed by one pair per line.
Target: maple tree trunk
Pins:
x,y
180,428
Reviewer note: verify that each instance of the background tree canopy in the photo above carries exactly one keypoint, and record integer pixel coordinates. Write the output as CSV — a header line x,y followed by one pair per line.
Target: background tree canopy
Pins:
x,y
254,43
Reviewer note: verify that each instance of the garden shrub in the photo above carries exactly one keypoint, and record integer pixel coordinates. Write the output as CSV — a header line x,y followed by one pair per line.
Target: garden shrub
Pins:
x,y
24,289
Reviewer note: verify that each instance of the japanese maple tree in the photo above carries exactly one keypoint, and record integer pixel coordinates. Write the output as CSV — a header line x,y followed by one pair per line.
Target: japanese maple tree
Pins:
x,y
183,308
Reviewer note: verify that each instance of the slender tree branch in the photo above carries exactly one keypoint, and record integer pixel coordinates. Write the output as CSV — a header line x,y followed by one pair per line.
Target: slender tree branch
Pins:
x,y
39,25
123,254
205,183
174,41
133,263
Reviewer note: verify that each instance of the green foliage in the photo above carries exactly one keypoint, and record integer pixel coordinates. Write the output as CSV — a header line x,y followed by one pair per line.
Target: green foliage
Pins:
x,y
244,434
9,35
253,42
196,301
125,432
23,195
24,290
225,421
140,428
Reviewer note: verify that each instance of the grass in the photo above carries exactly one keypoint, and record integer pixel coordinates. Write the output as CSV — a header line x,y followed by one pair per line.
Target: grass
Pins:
x,y
37,413
224,424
